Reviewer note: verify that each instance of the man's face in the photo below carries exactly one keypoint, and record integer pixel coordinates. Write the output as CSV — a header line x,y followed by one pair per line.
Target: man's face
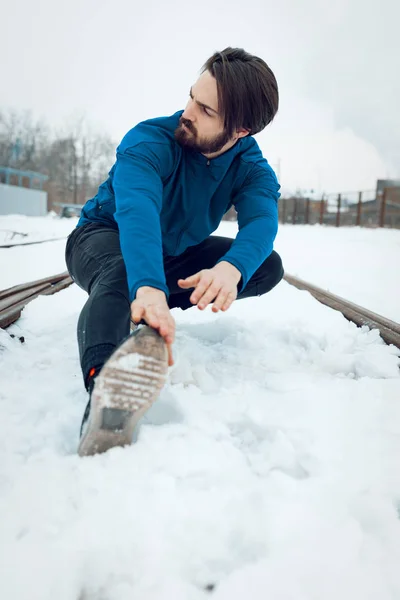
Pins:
x,y
201,126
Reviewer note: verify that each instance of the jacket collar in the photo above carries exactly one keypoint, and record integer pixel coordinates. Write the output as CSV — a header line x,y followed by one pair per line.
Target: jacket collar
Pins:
x,y
223,160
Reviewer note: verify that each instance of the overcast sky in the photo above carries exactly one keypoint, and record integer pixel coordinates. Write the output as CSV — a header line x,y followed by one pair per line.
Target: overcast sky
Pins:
x,y
337,63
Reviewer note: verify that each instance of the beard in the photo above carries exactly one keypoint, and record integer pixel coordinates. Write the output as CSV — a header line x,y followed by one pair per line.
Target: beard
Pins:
x,y
190,139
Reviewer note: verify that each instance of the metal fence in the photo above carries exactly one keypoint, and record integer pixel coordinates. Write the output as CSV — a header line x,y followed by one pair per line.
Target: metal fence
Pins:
x,y
363,209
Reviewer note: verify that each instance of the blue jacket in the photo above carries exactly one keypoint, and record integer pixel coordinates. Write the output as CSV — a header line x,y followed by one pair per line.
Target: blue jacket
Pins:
x,y
164,198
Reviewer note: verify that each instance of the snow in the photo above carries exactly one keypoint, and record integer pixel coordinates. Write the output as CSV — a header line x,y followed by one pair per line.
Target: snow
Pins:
x,y
131,361
21,264
268,467
359,264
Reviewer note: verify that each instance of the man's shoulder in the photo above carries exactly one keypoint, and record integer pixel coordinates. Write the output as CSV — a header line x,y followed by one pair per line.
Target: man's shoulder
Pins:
x,y
159,130
253,160
251,153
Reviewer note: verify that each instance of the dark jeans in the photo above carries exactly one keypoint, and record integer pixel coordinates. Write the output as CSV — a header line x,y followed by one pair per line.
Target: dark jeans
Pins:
x,y
94,261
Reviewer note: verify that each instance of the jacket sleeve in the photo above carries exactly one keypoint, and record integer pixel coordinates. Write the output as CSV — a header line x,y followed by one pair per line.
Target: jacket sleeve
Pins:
x,y
257,206
138,193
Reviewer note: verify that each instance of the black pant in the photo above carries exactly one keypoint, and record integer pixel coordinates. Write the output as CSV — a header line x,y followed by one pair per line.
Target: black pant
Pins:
x,y
94,261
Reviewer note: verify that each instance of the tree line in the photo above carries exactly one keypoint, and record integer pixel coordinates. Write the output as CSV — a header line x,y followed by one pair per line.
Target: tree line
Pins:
x,y
76,158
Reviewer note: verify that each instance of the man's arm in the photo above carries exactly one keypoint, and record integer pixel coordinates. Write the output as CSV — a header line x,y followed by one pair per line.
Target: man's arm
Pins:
x,y
257,207
256,203
138,193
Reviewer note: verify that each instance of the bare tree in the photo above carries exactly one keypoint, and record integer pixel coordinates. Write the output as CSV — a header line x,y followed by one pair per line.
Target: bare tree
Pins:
x,y
23,140
76,159
89,158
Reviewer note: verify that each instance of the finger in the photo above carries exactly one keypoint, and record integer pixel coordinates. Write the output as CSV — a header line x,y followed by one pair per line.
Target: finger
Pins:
x,y
190,282
201,288
220,300
151,317
137,312
167,331
171,333
209,296
231,297
170,355
166,328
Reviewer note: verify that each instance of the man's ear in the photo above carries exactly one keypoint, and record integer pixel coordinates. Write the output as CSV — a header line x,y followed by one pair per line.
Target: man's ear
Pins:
x,y
240,133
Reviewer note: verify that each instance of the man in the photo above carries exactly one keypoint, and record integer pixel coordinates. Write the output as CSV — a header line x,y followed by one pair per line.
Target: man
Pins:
x,y
143,244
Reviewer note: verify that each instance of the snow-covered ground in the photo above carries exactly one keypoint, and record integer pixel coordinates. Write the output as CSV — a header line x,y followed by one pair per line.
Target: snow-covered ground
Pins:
x,y
361,265
269,467
20,229
21,264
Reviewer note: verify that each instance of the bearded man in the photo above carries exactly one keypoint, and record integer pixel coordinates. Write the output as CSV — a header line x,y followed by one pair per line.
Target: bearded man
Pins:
x,y
143,244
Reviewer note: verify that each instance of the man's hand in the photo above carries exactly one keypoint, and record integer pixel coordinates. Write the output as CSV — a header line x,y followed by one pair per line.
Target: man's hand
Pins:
x,y
151,306
217,285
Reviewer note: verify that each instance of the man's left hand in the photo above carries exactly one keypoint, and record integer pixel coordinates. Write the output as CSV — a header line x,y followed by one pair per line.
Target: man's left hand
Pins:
x,y
217,285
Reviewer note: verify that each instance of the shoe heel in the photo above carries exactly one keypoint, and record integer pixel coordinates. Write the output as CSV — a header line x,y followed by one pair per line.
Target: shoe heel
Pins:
x,y
114,419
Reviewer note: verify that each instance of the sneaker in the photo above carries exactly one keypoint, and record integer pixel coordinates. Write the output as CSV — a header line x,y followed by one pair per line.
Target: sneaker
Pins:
x,y
125,388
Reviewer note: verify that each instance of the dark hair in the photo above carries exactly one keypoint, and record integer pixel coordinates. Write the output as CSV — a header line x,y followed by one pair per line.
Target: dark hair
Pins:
x,y
248,94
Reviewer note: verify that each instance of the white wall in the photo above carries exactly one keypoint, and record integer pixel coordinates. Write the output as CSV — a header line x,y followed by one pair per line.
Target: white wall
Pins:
x,y
22,201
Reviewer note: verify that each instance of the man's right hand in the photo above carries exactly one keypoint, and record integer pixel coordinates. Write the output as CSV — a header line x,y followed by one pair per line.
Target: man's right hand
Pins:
x,y
151,305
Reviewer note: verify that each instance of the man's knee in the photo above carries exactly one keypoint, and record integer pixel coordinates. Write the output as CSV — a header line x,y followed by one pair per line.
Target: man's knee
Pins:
x,y
113,275
270,273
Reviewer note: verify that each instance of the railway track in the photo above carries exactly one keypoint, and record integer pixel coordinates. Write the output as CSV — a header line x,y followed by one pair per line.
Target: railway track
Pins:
x,y
31,243
14,299
389,330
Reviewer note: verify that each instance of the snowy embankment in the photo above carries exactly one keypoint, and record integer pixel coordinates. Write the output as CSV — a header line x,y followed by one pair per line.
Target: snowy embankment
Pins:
x,y
269,467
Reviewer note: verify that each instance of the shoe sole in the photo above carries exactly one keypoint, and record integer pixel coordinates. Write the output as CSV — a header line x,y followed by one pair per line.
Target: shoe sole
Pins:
x,y
127,385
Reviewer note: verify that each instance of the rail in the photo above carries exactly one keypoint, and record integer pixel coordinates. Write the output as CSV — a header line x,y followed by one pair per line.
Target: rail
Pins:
x,y
31,243
14,299
389,330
